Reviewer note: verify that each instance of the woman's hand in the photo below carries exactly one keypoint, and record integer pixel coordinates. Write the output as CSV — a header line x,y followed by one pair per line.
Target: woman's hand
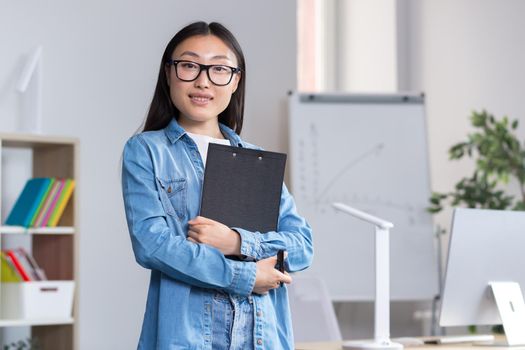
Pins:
x,y
215,234
268,277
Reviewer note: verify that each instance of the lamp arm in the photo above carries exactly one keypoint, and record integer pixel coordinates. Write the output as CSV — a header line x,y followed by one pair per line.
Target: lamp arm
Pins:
x,y
363,216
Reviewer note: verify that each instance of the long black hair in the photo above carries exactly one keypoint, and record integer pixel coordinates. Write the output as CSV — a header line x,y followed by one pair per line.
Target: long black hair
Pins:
x,y
162,110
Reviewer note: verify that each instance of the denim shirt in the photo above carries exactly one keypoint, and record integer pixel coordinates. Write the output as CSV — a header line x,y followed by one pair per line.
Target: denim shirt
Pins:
x,y
162,177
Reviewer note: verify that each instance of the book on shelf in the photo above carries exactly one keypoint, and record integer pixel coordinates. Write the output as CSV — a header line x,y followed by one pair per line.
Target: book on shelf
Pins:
x,y
62,201
41,203
20,266
53,204
8,270
36,271
46,204
27,203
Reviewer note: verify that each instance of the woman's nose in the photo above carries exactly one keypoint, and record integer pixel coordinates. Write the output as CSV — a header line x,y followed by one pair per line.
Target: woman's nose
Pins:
x,y
202,80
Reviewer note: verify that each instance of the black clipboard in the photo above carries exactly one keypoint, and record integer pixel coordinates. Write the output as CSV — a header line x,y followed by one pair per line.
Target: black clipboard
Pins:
x,y
242,187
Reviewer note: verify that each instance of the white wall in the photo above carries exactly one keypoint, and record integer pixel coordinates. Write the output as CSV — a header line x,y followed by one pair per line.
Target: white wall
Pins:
x,y
367,46
465,55
357,45
100,64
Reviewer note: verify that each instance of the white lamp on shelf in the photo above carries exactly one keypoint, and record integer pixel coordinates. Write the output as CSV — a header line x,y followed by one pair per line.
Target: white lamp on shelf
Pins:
x,y
30,85
382,299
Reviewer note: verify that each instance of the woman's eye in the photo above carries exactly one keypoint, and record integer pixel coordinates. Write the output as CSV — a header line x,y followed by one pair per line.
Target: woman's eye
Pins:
x,y
189,65
220,69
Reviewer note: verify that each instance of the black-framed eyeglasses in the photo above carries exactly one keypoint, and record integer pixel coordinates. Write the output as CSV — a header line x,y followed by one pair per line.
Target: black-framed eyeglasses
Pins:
x,y
218,74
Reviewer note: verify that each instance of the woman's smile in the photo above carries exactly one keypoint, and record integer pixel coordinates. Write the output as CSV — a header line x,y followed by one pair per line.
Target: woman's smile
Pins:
x,y
200,99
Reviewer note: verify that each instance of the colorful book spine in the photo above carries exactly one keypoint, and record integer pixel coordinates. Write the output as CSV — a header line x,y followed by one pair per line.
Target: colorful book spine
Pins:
x,y
37,201
48,205
8,270
28,202
18,266
62,202
53,205
30,264
22,259
45,202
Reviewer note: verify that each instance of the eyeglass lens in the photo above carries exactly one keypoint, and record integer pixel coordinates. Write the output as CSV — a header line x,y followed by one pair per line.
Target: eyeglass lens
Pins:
x,y
218,74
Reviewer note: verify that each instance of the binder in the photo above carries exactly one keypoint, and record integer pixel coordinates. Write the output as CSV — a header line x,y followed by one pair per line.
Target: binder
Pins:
x,y
242,187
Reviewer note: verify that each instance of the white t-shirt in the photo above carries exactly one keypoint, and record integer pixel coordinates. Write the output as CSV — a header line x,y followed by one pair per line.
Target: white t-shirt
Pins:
x,y
203,141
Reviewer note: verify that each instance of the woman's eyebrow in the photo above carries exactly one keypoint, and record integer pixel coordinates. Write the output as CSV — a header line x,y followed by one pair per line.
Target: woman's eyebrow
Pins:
x,y
193,54
189,53
220,57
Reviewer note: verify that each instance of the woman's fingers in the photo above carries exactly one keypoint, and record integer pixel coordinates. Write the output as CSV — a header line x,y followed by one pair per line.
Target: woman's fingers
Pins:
x,y
268,277
193,235
201,220
285,278
271,261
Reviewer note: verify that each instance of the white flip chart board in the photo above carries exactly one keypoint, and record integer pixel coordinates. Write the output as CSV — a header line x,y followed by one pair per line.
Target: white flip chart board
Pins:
x,y
369,152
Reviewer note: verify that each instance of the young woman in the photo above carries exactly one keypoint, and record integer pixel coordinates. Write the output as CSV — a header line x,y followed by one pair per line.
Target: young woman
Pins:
x,y
198,298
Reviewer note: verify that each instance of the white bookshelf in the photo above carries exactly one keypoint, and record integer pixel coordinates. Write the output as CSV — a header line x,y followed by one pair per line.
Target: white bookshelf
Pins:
x,y
54,248
39,322
19,230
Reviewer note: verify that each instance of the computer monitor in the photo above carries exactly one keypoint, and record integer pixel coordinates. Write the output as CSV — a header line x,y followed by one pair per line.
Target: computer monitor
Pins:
x,y
485,246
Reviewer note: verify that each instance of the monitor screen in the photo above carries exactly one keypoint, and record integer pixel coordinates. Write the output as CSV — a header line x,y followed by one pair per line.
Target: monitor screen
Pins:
x,y
485,246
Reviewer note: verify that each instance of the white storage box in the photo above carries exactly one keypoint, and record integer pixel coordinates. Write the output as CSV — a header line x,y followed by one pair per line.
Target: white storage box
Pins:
x,y
37,300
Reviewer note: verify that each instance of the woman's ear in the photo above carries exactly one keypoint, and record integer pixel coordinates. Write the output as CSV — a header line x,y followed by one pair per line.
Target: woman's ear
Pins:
x,y
235,83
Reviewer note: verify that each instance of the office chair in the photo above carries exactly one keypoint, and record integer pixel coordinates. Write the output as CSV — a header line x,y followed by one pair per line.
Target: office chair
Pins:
x,y
313,315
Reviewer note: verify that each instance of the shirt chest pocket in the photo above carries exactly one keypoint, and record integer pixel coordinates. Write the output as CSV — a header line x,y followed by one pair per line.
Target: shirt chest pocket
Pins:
x,y
173,196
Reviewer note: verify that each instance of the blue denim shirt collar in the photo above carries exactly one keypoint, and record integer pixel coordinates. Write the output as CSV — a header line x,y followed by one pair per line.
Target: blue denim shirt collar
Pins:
x,y
174,132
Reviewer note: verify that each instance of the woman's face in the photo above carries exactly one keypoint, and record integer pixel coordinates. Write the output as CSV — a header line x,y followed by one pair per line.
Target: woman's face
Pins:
x,y
200,100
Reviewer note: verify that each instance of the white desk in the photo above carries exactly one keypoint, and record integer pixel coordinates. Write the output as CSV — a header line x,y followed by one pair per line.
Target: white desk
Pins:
x,y
464,346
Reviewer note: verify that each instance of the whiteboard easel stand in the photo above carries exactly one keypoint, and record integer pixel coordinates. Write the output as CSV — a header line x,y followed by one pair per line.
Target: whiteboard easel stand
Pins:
x,y
434,328
30,85
382,286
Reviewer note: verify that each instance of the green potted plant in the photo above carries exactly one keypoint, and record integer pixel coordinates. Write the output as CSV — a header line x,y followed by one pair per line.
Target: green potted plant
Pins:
x,y
499,157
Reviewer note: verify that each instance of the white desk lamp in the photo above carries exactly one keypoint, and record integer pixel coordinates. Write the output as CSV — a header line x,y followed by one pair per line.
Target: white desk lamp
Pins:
x,y
30,84
382,301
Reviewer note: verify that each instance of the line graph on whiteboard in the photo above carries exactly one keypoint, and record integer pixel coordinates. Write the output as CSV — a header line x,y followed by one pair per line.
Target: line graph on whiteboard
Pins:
x,y
320,186
370,153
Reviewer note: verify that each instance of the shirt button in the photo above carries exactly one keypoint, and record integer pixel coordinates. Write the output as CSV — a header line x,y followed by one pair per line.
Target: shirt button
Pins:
x,y
169,189
259,341
259,313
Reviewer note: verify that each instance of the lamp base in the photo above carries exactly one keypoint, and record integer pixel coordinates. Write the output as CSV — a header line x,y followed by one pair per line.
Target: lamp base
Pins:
x,y
371,345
